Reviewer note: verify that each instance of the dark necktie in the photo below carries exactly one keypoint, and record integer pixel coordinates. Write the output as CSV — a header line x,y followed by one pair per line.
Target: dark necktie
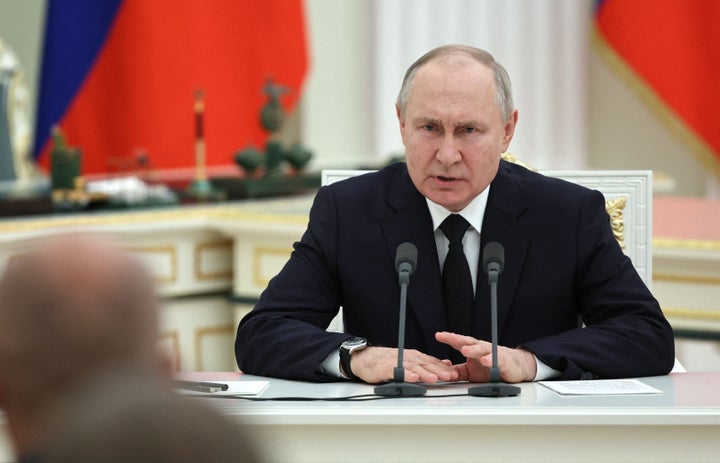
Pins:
x,y
457,282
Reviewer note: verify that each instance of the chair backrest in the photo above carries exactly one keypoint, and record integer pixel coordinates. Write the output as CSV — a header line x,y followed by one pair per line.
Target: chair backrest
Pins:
x,y
628,200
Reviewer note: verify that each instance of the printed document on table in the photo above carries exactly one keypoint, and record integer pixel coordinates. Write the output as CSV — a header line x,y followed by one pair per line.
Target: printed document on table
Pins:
x,y
600,387
246,388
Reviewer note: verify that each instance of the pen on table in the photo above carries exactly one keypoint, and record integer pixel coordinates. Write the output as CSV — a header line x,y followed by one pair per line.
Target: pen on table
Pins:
x,y
200,386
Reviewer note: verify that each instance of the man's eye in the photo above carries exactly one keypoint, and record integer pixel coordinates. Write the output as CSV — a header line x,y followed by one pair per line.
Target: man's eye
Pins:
x,y
469,130
428,127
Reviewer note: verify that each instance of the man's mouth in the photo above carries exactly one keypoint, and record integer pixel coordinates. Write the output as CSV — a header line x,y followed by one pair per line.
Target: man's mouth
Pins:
x,y
446,179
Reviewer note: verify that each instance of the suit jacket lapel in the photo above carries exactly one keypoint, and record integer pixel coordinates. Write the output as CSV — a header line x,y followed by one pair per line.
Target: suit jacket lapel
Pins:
x,y
409,220
504,223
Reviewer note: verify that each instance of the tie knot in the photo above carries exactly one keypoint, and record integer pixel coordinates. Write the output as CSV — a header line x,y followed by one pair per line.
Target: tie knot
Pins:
x,y
454,227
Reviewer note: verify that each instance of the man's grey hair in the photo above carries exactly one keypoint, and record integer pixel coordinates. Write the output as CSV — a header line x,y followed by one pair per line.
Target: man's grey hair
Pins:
x,y
502,79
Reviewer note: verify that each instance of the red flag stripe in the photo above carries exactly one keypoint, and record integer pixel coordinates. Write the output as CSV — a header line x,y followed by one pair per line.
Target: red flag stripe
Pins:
x,y
674,46
139,94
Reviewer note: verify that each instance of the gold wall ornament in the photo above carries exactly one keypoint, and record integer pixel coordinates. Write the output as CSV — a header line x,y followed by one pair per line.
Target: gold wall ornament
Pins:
x,y
201,334
206,249
615,208
148,253
260,253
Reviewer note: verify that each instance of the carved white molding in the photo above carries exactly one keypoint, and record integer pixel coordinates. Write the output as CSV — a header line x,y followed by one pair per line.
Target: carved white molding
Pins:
x,y
636,187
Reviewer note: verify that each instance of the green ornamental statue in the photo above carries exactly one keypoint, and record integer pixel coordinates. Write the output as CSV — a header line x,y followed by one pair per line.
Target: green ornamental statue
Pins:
x,y
272,117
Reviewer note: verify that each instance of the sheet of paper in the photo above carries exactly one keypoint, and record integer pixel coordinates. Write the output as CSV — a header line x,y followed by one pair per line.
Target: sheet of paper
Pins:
x,y
248,388
600,387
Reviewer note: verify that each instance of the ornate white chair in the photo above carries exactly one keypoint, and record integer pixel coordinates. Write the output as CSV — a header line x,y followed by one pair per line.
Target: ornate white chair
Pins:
x,y
628,201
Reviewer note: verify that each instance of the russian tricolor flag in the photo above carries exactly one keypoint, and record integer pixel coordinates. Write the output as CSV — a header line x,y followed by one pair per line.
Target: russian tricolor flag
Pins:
x,y
119,76
673,48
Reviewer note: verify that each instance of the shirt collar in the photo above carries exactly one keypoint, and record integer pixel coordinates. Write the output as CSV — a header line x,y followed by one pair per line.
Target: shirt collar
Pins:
x,y
473,212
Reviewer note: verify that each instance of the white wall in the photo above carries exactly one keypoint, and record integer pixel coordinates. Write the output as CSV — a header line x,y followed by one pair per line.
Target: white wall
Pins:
x,y
627,133
542,44
335,113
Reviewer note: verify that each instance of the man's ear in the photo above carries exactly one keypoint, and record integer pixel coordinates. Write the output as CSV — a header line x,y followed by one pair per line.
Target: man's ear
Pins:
x,y
509,130
401,122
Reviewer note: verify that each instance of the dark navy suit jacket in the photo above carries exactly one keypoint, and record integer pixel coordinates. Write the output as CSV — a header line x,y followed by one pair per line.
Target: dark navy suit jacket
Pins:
x,y
562,265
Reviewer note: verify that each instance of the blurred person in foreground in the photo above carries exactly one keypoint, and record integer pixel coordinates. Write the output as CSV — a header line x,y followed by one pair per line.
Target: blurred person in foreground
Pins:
x,y
571,304
73,308
123,417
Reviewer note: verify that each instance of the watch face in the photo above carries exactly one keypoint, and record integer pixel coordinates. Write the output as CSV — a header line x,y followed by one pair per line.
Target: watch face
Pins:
x,y
354,342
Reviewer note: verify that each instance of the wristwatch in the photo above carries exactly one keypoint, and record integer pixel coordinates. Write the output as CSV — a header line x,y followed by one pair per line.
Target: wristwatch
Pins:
x,y
347,348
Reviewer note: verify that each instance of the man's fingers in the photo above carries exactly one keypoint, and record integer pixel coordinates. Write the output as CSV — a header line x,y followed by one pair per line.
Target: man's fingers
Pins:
x,y
456,341
428,368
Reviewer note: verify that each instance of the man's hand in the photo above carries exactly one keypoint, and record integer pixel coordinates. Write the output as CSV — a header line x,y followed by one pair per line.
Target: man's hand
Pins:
x,y
516,365
375,365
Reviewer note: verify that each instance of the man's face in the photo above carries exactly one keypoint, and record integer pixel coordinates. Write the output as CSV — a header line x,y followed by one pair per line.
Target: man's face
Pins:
x,y
453,130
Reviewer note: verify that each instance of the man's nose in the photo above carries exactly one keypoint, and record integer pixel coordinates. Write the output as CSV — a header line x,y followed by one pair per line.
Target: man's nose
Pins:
x,y
448,152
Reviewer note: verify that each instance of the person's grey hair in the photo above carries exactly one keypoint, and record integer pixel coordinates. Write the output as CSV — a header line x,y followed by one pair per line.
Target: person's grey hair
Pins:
x,y
503,85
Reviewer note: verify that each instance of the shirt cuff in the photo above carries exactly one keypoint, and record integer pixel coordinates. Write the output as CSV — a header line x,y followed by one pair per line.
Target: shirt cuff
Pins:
x,y
544,372
331,365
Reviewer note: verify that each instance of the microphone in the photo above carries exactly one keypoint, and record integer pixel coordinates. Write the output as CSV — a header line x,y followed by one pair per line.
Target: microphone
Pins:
x,y
405,263
493,263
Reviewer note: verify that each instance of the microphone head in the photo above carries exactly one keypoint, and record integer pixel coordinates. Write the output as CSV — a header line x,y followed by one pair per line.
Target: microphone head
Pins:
x,y
406,254
493,253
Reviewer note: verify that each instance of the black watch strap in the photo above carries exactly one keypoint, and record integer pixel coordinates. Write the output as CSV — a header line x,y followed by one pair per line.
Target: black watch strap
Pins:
x,y
346,349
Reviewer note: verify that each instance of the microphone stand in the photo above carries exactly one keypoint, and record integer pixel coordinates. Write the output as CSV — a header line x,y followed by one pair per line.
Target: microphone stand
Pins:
x,y
494,388
398,387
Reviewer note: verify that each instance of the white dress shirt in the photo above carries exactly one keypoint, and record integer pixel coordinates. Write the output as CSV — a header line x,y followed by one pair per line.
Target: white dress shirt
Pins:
x,y
473,213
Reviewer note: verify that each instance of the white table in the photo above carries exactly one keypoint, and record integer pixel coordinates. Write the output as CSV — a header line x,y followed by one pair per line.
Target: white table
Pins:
x,y
681,424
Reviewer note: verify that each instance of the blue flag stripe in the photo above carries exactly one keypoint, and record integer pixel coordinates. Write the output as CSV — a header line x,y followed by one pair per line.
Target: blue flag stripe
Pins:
x,y
75,32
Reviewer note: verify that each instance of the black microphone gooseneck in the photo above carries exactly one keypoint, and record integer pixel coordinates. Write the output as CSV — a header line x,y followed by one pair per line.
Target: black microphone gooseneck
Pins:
x,y
405,263
493,263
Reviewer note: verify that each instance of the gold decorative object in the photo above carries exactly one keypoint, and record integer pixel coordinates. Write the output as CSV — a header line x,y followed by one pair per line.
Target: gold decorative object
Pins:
x,y
68,185
615,208
65,163
265,173
513,159
199,108
201,188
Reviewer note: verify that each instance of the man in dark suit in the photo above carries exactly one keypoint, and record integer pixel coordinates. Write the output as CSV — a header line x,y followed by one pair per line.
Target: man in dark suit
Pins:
x,y
571,305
